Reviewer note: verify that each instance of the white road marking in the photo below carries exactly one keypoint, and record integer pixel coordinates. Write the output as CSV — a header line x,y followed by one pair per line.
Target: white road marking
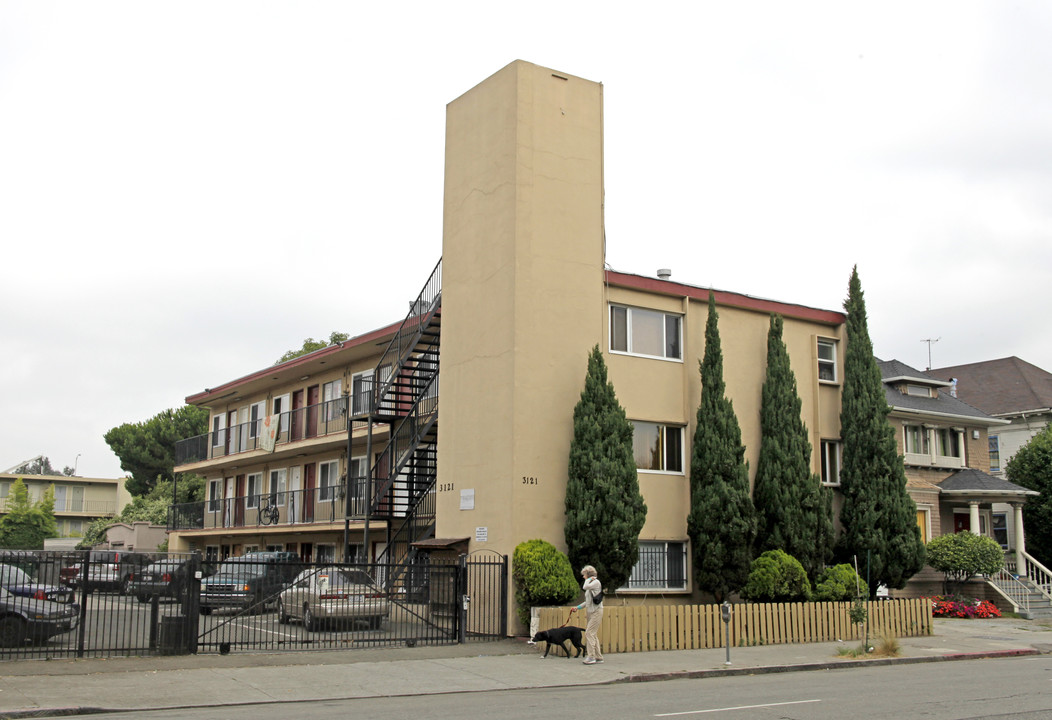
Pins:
x,y
739,707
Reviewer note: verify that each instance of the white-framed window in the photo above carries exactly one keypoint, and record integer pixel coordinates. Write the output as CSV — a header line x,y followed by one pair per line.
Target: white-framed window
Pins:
x,y
915,439
924,522
324,553
999,528
5,488
948,443
827,360
255,419
361,391
254,489
662,565
918,390
218,429
215,495
657,447
76,528
831,458
280,406
995,453
278,484
330,394
328,480
651,333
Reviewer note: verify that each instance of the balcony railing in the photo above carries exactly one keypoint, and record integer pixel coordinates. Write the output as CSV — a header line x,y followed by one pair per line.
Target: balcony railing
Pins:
x,y
321,420
325,504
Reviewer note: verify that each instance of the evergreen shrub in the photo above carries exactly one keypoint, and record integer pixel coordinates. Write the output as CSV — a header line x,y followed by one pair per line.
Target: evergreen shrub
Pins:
x,y
542,576
777,576
838,584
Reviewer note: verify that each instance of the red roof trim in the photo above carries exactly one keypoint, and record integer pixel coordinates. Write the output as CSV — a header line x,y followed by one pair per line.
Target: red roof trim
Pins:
x,y
727,299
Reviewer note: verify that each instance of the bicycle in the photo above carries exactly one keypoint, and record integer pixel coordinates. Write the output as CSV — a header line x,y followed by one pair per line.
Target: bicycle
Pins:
x,y
268,512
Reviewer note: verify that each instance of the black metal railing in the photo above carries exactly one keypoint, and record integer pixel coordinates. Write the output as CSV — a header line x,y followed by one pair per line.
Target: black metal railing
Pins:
x,y
320,420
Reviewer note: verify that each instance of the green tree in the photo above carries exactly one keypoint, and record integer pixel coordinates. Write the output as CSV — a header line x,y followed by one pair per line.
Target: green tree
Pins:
x,y
879,518
1031,467
961,556
151,508
840,583
776,576
26,524
604,509
310,345
147,449
542,576
40,466
794,512
722,519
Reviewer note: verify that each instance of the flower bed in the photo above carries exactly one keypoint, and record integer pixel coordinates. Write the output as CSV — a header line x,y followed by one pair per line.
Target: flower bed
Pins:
x,y
956,606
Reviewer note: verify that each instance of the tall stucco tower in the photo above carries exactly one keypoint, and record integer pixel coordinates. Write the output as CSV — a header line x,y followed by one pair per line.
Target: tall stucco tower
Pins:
x,y
522,300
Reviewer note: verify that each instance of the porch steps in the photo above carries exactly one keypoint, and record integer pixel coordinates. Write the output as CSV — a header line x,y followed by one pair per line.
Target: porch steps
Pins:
x,y
1030,602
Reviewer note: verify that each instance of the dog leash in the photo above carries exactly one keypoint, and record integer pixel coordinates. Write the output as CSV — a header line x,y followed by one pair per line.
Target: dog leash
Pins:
x,y
568,618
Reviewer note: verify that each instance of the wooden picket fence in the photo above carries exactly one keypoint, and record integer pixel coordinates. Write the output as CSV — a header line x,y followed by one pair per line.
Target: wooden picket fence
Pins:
x,y
694,627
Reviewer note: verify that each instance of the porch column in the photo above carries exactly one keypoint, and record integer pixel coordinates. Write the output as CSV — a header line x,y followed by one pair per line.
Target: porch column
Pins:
x,y
1020,543
973,516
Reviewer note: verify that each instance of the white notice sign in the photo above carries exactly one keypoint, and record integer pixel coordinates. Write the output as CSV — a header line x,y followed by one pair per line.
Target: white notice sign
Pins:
x,y
481,534
467,499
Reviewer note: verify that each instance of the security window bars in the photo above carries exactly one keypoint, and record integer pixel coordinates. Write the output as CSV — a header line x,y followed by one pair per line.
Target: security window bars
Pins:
x,y
661,566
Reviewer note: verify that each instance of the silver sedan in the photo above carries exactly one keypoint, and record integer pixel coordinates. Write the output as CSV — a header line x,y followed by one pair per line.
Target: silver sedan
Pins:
x,y
333,594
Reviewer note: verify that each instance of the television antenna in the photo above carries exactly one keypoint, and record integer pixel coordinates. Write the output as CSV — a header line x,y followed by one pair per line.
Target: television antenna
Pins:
x,y
930,341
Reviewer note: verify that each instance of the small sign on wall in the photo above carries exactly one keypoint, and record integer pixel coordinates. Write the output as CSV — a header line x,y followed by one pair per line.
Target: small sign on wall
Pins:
x,y
481,534
467,499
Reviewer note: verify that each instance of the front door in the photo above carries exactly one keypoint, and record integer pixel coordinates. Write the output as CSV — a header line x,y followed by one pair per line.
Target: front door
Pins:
x,y
239,502
309,472
313,397
297,415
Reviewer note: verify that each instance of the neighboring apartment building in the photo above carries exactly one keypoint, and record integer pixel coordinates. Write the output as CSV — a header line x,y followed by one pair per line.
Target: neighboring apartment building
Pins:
x,y
1009,389
346,445
944,443
78,500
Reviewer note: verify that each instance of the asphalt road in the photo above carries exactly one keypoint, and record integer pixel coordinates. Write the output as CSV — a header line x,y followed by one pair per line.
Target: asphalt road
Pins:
x,y
1002,688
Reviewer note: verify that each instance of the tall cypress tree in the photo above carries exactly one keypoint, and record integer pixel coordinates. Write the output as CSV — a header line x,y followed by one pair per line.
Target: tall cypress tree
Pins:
x,y
794,511
879,518
604,509
722,520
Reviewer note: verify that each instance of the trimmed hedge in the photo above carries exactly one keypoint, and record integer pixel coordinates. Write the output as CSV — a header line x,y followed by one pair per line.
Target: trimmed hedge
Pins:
x,y
542,576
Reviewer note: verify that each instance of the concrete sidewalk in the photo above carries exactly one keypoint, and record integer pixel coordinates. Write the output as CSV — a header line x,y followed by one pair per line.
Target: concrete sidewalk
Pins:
x,y
36,688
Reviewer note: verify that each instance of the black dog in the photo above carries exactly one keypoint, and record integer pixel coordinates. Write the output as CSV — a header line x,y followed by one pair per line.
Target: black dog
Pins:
x,y
559,636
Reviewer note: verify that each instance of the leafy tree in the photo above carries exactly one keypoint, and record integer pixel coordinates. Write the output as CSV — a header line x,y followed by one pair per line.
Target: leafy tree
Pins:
x,y
879,518
794,512
310,345
1031,467
41,466
839,584
604,509
722,519
776,576
26,523
542,576
961,556
151,508
147,449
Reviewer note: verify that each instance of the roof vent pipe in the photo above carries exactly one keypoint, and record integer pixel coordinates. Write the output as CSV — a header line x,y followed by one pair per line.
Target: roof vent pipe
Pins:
x,y
664,273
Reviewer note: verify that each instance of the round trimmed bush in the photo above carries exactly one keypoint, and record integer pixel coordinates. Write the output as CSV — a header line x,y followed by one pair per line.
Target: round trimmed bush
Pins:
x,y
837,584
542,575
777,576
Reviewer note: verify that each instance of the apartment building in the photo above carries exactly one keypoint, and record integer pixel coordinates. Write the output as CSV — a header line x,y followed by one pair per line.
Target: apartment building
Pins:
x,y
78,500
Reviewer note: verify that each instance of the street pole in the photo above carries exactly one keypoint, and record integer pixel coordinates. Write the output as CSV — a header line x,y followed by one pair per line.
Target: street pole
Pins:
x,y
725,613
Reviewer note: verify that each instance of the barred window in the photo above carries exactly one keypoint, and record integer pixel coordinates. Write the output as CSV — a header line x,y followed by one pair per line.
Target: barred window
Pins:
x,y
661,566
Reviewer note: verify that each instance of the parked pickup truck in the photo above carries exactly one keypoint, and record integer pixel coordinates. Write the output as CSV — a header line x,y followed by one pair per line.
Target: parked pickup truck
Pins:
x,y
252,580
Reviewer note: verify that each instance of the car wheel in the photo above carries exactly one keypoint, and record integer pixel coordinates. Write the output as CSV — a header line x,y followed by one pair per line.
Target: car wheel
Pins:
x,y
12,631
283,617
205,610
375,622
143,598
125,584
309,623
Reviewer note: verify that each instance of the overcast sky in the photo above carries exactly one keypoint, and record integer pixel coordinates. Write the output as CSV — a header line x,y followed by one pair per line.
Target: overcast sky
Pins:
x,y
188,190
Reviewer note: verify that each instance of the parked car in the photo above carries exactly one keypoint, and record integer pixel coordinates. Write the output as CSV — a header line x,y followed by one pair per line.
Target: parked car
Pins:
x,y
26,619
165,578
333,594
18,582
109,569
254,579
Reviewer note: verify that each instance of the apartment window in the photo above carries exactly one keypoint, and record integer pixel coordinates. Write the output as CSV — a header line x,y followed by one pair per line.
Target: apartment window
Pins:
x,y
827,360
330,394
255,419
918,391
255,489
916,439
281,408
947,442
361,391
5,488
218,430
278,479
995,453
324,554
661,566
215,495
999,526
657,447
645,332
76,528
328,480
831,462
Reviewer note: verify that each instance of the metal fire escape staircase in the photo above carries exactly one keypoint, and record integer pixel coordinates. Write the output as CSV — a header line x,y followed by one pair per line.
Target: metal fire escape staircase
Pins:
x,y
405,396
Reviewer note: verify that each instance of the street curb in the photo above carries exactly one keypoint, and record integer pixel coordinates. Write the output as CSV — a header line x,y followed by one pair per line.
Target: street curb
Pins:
x,y
635,678
831,665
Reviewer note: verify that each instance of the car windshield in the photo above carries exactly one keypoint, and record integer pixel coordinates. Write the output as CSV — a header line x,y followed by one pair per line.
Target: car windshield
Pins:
x,y
10,575
242,568
163,567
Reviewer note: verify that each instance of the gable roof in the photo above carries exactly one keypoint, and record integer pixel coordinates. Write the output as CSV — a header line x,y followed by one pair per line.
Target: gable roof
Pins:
x,y
945,405
1001,387
971,481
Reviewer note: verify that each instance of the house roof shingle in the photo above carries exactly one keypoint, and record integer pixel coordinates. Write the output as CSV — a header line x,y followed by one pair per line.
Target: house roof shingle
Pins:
x,y
943,404
970,480
1000,387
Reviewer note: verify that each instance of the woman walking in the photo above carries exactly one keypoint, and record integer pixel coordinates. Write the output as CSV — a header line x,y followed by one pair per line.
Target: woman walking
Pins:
x,y
593,605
